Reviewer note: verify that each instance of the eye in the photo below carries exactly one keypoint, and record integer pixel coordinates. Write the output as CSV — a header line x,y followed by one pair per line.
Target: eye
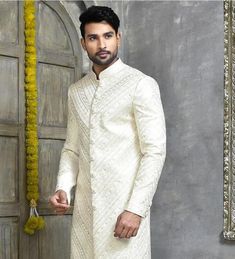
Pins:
x,y
107,36
92,38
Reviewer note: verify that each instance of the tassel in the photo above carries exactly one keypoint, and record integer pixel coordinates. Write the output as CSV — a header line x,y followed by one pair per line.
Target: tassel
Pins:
x,y
34,222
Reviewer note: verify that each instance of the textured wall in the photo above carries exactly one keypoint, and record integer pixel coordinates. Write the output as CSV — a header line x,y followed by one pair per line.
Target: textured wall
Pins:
x,y
180,43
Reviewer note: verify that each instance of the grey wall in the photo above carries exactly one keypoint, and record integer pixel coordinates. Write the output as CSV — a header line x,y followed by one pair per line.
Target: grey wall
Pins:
x,y
180,44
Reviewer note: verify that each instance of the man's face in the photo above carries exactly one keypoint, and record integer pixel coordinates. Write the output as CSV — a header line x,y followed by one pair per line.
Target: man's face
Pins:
x,y
101,43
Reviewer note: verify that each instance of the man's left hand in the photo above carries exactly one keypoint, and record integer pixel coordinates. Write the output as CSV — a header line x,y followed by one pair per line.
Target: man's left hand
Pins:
x,y
127,225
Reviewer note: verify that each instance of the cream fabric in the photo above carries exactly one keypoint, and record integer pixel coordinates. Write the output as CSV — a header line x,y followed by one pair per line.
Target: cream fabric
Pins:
x,y
114,153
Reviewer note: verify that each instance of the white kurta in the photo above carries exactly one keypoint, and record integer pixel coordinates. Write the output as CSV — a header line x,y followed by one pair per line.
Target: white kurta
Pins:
x,y
114,153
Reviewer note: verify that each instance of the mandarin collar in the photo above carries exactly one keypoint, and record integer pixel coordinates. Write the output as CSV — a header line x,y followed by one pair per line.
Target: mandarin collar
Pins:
x,y
109,71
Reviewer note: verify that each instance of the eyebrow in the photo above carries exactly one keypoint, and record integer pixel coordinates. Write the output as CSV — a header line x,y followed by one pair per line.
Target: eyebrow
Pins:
x,y
94,35
109,32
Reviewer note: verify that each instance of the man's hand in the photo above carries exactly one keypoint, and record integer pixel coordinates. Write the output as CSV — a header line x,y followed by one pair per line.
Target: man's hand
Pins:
x,y
59,202
127,225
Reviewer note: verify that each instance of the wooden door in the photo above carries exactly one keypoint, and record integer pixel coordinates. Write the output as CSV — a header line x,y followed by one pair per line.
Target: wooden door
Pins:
x,y
59,54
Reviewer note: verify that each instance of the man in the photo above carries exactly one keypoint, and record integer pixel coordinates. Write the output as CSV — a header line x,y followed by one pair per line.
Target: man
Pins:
x,y
114,151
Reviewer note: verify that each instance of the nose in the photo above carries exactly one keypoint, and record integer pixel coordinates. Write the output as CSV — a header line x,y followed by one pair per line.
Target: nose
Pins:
x,y
102,44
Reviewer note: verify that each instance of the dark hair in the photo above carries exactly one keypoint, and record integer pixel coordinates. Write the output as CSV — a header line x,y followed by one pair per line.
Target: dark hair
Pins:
x,y
99,14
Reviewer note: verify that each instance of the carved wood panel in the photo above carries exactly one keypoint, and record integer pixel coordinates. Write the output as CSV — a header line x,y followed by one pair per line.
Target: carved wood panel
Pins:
x,y
58,52
57,70
11,85
53,88
9,89
9,238
229,120
9,169
54,242
49,153
9,22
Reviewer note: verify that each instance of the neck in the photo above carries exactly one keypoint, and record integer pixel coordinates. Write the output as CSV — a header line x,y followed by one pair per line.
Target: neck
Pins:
x,y
99,68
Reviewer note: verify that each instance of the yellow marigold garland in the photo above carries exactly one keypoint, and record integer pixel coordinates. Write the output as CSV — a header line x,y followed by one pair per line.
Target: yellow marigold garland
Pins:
x,y
35,222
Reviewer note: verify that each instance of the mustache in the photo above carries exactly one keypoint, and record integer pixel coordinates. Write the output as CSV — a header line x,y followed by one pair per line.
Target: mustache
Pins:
x,y
102,51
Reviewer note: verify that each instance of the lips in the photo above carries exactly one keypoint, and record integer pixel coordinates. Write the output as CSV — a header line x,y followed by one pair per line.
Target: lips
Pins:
x,y
102,53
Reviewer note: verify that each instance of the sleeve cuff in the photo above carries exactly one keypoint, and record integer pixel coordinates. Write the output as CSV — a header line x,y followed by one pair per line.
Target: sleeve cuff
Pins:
x,y
143,212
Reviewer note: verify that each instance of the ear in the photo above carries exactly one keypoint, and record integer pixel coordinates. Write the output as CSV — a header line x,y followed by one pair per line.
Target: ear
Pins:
x,y
119,36
83,44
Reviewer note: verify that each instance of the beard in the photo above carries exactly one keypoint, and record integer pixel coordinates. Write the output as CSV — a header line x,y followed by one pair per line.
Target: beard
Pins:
x,y
96,59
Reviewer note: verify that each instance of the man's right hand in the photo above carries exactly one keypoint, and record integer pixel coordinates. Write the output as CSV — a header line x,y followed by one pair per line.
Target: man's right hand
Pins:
x,y
59,202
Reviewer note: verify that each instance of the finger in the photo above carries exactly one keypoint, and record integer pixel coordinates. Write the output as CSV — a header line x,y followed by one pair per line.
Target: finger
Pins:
x,y
54,200
61,206
119,229
58,211
117,222
58,206
63,197
118,232
130,233
135,232
124,232
59,198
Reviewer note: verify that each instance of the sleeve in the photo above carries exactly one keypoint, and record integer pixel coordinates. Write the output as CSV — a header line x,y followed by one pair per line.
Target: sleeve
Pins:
x,y
150,123
68,167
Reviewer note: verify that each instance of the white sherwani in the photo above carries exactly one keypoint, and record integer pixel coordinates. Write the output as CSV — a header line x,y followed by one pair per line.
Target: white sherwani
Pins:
x,y
114,153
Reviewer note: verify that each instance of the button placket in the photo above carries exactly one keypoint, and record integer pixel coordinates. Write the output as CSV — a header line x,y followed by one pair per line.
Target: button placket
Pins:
x,y
93,124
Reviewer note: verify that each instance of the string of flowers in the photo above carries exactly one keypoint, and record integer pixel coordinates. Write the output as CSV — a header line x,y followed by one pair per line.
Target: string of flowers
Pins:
x,y
34,222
